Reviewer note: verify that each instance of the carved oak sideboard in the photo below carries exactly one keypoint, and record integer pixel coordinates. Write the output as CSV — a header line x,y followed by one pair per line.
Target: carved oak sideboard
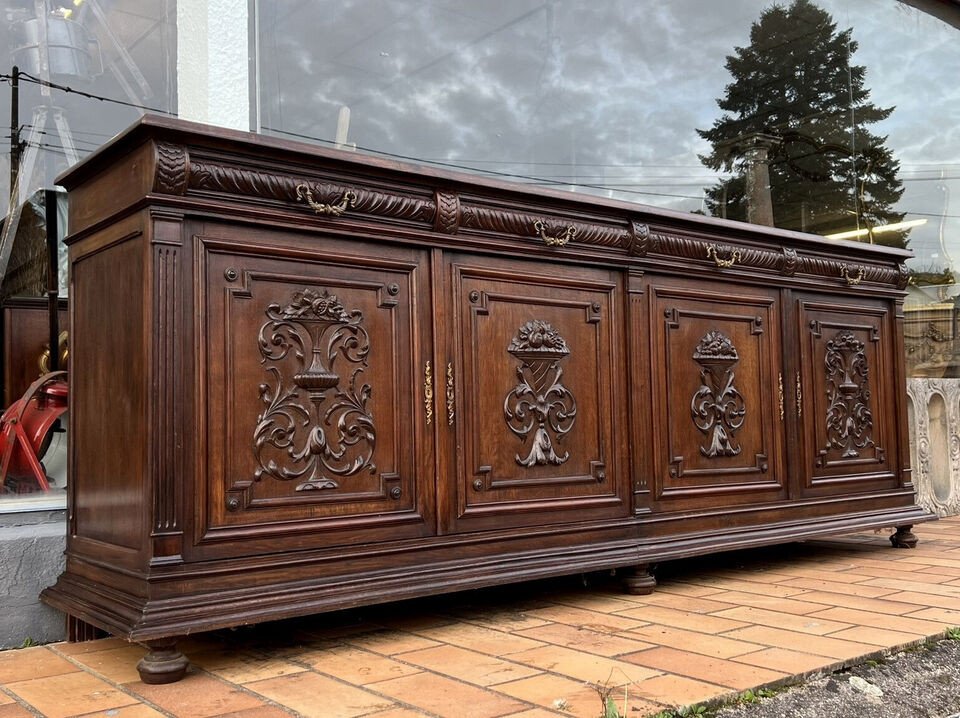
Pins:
x,y
304,380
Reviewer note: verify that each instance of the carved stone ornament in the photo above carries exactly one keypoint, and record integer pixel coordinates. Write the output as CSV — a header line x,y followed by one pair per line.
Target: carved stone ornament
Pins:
x,y
540,403
316,426
849,420
717,407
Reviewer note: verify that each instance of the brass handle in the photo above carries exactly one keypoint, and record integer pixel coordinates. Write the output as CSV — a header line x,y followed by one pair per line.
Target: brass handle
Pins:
x,y
714,254
557,240
851,279
450,395
349,199
799,396
428,392
780,391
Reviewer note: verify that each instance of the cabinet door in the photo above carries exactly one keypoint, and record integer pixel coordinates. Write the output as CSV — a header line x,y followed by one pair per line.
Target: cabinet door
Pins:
x,y
536,382
845,388
715,380
311,366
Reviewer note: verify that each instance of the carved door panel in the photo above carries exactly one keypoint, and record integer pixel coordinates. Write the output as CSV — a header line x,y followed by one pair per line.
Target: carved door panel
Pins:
x,y
313,364
537,420
715,373
845,395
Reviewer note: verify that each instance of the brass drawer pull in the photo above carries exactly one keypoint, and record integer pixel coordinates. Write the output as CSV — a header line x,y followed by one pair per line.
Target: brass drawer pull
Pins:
x,y
799,396
558,240
852,279
780,392
714,254
349,199
428,392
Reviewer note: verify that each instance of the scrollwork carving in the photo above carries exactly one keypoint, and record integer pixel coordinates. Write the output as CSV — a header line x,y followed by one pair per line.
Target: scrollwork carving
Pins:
x,y
849,420
540,403
172,168
448,212
316,425
717,407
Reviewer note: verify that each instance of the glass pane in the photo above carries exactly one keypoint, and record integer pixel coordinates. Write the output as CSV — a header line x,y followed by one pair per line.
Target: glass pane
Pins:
x,y
837,117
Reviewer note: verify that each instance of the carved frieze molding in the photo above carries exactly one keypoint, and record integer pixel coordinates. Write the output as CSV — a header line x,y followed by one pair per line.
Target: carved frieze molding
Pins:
x,y
528,224
852,273
172,169
935,443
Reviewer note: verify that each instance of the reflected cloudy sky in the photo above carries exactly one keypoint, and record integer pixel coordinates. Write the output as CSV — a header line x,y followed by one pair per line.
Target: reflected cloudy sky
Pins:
x,y
598,95
601,96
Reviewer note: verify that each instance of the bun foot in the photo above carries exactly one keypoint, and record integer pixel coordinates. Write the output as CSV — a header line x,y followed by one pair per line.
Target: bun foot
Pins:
x,y
163,664
641,581
904,538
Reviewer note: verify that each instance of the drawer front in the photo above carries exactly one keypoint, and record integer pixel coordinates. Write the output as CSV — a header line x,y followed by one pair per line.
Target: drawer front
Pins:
x,y
310,375
715,374
538,426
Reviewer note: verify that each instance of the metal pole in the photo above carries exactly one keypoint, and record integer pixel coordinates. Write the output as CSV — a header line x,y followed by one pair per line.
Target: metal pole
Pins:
x,y
14,128
53,281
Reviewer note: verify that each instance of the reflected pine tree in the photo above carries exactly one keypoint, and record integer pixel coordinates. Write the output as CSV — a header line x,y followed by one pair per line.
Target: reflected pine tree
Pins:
x,y
796,86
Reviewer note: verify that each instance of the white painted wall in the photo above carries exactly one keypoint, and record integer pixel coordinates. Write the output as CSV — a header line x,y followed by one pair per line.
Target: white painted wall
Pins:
x,y
213,83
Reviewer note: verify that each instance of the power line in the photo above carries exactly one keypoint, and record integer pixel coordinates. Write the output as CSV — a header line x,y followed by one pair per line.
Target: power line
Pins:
x,y
65,88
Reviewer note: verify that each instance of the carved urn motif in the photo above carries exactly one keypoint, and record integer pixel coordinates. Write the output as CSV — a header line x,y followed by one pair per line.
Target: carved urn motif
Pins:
x,y
717,407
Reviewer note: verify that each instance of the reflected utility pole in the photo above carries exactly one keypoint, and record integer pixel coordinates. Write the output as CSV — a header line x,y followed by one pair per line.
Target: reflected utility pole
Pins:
x,y
755,149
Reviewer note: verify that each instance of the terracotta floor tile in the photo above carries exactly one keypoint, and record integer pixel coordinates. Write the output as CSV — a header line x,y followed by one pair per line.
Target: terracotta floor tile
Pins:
x,y
796,606
594,620
582,666
702,643
102,644
449,698
143,711
116,663
197,695
5,699
244,666
940,571
926,599
355,665
411,624
532,713
22,664
880,620
70,694
480,638
692,604
683,619
315,696
12,710
584,639
856,589
678,691
557,693
680,588
838,576
802,642
920,582
747,585
503,620
804,624
931,560
469,666
605,603
266,711
860,603
738,676
880,637
400,713
390,642
947,617
787,661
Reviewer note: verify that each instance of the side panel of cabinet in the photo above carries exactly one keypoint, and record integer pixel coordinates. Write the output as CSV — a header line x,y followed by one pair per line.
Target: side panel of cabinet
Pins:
x,y
845,387
539,428
311,368
717,407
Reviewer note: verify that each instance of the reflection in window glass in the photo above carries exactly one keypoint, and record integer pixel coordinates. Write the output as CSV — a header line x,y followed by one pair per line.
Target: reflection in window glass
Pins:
x,y
89,68
825,116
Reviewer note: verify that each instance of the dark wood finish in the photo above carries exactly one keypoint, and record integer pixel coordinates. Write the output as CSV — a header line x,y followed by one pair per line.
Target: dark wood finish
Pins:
x,y
164,663
335,380
26,334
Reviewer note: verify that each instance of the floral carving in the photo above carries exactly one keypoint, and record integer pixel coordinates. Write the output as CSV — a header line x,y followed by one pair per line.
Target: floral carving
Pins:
x,y
849,420
717,407
540,403
316,426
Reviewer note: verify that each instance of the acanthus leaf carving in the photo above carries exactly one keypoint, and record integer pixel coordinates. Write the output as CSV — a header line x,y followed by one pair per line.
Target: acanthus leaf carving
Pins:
x,y
717,407
316,426
540,403
849,419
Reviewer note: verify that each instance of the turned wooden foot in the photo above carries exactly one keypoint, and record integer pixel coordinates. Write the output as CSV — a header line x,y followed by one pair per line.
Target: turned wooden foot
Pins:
x,y
640,581
164,663
904,538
